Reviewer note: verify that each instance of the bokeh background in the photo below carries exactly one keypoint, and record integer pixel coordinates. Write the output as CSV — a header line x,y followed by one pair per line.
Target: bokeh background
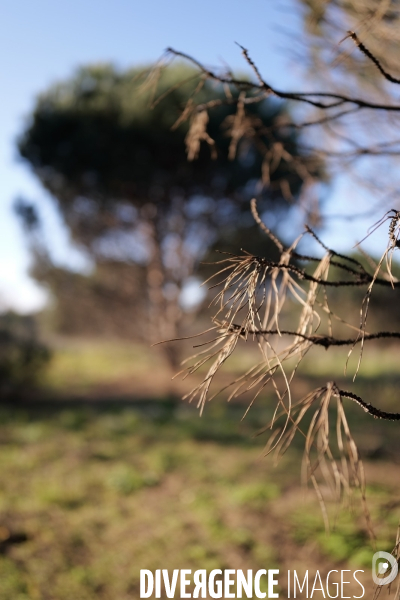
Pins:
x,y
104,470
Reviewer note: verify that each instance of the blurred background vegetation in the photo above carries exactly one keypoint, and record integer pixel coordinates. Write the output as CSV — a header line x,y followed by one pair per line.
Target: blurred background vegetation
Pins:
x,y
103,469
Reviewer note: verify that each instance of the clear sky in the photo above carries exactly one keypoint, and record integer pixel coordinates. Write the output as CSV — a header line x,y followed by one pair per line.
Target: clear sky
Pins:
x,y
44,41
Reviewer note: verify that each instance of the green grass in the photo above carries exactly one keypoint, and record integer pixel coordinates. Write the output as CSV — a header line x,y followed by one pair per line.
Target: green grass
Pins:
x,y
377,362
84,367
348,540
101,492
81,364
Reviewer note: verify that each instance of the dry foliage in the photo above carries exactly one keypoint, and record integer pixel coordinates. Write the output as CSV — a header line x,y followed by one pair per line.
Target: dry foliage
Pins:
x,y
254,299
258,299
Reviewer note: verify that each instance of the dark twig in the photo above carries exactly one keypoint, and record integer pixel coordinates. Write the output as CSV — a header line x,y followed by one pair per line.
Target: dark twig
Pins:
x,y
337,100
372,58
252,291
371,410
319,340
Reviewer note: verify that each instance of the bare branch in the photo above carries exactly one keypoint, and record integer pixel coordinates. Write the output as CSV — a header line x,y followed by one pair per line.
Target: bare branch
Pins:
x,y
372,58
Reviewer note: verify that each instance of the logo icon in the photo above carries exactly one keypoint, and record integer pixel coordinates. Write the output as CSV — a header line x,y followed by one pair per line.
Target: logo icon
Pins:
x,y
384,568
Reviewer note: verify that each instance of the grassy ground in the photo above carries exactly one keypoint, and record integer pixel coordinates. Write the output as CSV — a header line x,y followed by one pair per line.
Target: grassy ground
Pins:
x,y
92,492
89,496
96,369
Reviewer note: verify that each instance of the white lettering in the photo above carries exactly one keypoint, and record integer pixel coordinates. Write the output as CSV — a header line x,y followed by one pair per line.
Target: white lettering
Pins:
x,y
220,584
359,582
342,582
228,583
170,587
320,589
158,583
257,578
200,579
215,588
184,583
327,584
272,582
144,573
305,581
243,584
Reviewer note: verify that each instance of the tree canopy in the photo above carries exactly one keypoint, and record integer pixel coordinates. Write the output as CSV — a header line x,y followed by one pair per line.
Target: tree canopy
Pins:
x,y
152,165
107,137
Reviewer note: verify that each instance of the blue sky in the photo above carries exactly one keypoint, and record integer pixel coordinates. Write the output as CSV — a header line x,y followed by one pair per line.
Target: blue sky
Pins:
x,y
44,41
